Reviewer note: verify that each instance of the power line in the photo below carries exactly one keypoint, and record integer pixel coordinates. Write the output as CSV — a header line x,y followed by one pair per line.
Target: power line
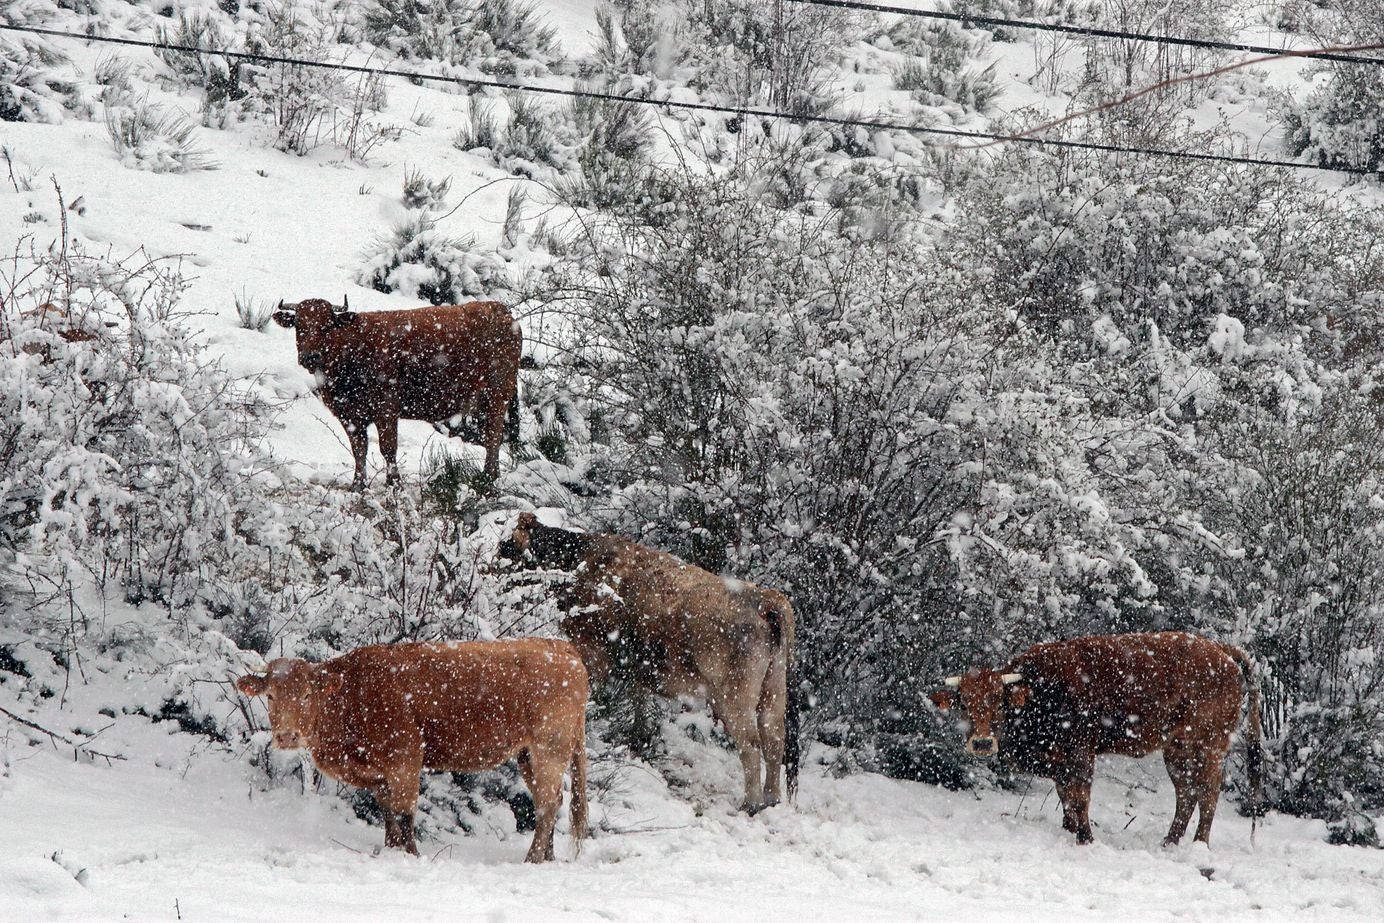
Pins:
x,y
837,121
1092,31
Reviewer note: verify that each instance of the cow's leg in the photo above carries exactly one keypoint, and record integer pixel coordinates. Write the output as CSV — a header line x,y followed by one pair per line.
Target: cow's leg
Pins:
x,y
544,779
399,797
736,709
494,435
1208,795
773,699
398,816
358,432
1074,789
387,428
1182,769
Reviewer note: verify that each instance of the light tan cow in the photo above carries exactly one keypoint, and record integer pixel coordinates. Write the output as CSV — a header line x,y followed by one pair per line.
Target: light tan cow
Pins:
x,y
683,631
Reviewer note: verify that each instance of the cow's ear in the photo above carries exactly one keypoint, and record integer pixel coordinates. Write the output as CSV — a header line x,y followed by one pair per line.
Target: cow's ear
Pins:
x,y
1018,695
252,685
328,683
944,699
285,318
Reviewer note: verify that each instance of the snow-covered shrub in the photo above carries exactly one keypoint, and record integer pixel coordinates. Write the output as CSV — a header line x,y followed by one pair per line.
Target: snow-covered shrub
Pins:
x,y
423,193
825,412
32,87
130,451
481,130
1116,66
528,145
297,100
498,36
936,70
1098,251
1215,326
218,76
1341,122
614,143
421,261
761,52
148,138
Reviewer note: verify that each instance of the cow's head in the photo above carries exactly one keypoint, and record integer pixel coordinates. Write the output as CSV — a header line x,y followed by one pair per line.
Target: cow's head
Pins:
x,y
985,696
294,690
313,319
534,545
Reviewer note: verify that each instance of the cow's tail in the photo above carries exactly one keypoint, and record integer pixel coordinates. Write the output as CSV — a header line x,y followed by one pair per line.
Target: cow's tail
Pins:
x,y
778,612
512,421
579,806
1254,749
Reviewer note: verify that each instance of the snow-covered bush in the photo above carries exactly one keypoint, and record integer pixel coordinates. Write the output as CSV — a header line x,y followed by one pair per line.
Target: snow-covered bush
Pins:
x,y
32,86
296,100
423,262
761,52
498,36
218,76
1341,122
1217,328
148,138
788,400
1101,252
936,70
614,144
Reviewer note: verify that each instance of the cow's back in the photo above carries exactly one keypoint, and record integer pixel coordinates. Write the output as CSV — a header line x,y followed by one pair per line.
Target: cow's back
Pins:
x,y
687,624
1122,693
440,361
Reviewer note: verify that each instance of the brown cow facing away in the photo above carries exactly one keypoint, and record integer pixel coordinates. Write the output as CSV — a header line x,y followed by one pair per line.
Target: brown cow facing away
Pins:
x,y
450,364
378,716
683,631
1051,710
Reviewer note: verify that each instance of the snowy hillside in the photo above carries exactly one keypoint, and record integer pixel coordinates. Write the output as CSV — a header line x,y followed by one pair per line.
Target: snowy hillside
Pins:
x,y
952,402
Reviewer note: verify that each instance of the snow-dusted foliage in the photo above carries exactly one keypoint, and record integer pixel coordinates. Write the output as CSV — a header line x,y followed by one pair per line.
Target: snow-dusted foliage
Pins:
x,y
1213,326
422,261
498,36
33,87
790,399
148,138
1341,122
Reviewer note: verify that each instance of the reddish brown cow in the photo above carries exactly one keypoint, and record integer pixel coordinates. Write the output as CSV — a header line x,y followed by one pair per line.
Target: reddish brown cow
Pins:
x,y
1051,710
681,630
450,364
378,716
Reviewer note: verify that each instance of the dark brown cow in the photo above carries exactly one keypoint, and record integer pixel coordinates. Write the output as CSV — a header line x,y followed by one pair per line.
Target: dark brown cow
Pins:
x,y
1051,710
681,630
378,716
449,364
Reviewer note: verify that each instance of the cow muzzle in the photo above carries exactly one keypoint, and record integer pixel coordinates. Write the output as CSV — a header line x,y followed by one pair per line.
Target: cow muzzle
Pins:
x,y
311,361
287,740
982,746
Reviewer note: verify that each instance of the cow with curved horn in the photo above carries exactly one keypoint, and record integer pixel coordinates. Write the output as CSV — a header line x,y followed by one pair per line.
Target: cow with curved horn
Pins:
x,y
444,365
1054,708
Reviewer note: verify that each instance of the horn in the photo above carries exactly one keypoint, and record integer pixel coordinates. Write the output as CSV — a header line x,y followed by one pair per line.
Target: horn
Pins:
x,y
345,303
1008,678
281,304
952,681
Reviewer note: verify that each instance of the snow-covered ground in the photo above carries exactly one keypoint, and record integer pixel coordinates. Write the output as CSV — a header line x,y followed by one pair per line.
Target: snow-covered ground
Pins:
x,y
178,831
